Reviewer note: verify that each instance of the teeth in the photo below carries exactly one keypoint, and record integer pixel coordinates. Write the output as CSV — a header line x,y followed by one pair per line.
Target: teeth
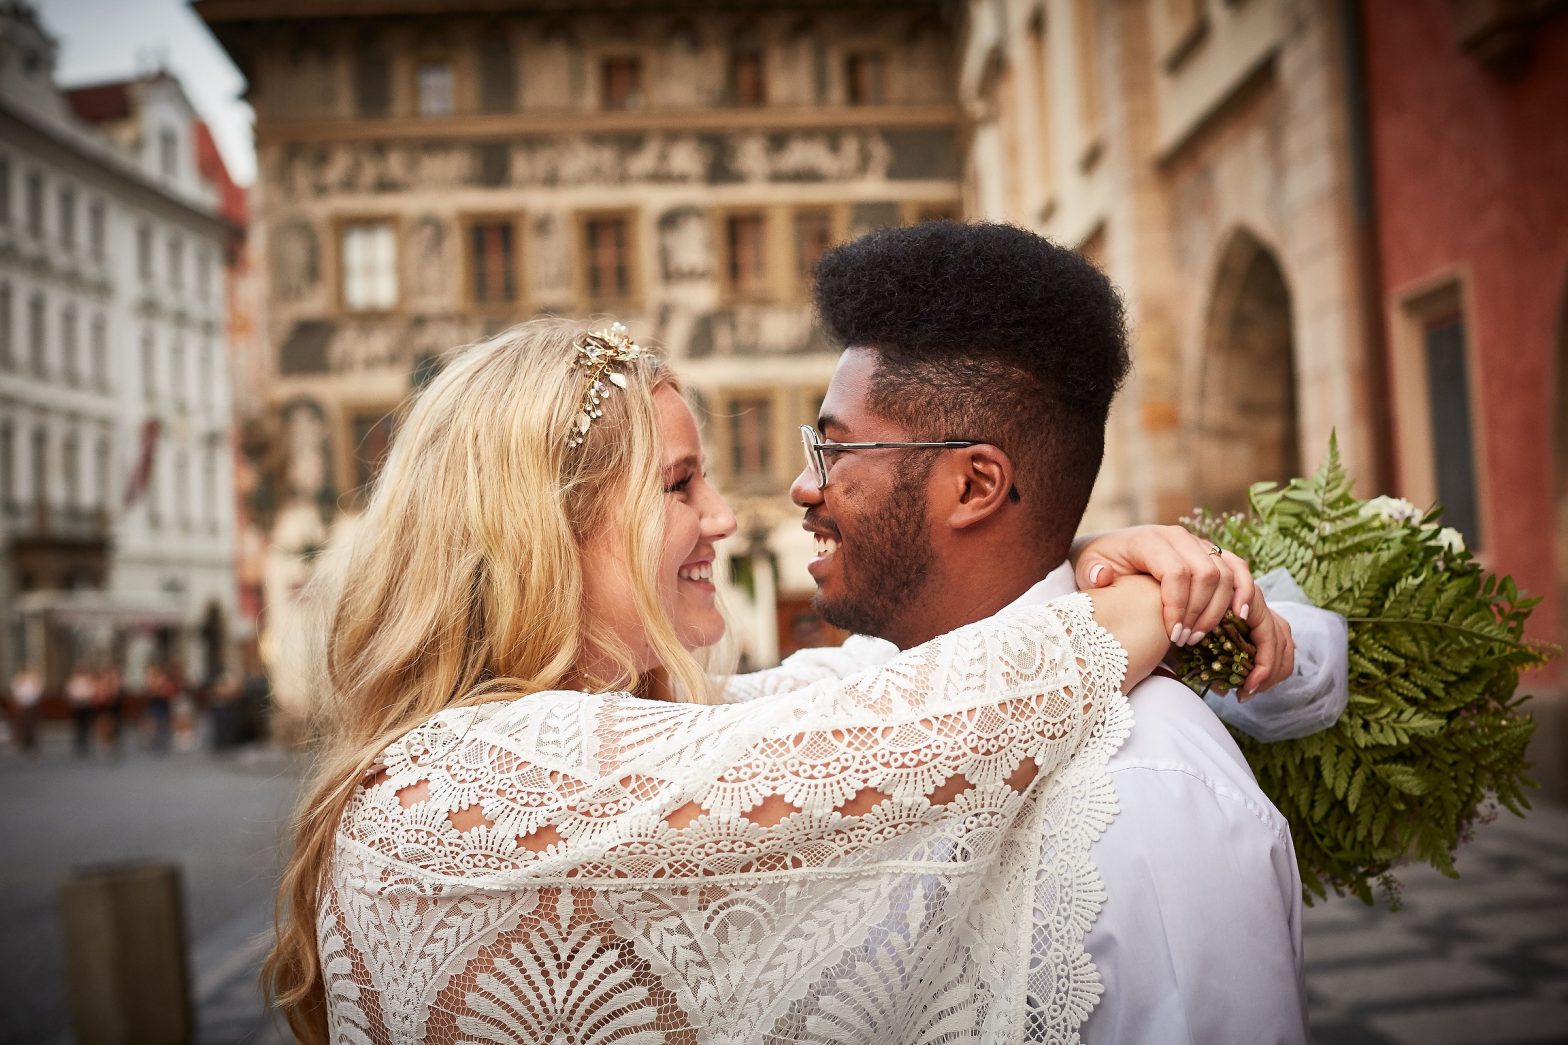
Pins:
x,y
826,546
702,571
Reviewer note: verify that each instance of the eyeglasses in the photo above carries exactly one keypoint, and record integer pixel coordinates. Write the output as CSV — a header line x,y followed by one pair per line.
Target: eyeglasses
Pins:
x,y
815,447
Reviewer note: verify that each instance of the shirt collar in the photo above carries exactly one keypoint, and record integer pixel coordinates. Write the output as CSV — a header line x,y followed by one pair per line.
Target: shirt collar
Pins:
x,y
1055,584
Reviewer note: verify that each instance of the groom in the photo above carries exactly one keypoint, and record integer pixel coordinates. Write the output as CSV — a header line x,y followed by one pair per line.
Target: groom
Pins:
x,y
1010,348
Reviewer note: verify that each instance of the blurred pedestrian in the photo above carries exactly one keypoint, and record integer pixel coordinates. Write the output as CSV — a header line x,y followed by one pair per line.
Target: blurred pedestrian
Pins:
x,y
160,690
109,698
81,693
27,694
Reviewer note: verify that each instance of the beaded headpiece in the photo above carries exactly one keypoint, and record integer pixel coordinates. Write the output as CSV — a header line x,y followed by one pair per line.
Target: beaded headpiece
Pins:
x,y
596,352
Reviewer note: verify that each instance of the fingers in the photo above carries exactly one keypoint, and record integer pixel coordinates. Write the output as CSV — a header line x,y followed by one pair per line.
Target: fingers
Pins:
x,y
1276,656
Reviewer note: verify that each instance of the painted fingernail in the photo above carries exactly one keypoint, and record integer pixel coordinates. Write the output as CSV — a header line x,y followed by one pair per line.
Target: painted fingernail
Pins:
x,y
1186,637
1245,608
1176,635
1095,571
1197,636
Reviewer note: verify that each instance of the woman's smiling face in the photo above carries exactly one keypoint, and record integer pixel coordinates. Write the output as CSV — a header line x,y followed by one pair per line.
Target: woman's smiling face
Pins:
x,y
696,518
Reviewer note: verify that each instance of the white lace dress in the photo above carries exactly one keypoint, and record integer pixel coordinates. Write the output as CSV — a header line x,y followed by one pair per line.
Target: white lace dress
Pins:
x,y
646,872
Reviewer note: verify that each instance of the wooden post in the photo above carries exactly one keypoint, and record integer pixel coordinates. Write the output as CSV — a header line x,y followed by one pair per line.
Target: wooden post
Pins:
x,y
125,955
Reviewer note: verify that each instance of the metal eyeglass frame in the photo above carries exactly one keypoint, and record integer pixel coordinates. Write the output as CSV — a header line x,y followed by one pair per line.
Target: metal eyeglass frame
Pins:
x,y
814,446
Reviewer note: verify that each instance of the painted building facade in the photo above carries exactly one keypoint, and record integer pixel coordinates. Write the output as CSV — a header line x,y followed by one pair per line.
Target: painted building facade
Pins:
x,y
114,414
1468,124
431,174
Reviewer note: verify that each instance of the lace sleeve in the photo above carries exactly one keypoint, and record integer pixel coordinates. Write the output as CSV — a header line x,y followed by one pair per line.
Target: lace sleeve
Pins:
x,y
609,786
807,666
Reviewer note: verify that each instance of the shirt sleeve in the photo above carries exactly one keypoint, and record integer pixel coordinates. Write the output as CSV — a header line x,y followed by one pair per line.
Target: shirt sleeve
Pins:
x,y
1199,939
1315,694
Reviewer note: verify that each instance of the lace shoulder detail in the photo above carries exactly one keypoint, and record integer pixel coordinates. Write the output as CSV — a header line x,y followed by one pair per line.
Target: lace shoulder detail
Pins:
x,y
808,666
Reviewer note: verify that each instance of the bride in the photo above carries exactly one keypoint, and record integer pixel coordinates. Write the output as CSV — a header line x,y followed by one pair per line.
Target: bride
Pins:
x,y
536,817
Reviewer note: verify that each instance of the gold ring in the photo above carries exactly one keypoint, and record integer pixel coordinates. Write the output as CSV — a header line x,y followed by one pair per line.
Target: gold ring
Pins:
x,y
1215,549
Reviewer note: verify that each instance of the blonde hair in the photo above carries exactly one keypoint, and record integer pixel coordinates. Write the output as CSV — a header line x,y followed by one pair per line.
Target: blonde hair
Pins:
x,y
463,584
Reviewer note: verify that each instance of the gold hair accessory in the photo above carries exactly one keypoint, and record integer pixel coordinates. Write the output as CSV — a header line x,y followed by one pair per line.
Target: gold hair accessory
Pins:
x,y
596,351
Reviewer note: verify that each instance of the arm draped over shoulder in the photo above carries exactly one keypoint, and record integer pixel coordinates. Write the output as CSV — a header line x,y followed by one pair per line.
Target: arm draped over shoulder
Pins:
x,y
841,862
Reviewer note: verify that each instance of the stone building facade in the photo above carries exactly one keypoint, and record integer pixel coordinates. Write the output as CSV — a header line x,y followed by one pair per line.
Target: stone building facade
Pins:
x,y
1195,150
431,172
114,415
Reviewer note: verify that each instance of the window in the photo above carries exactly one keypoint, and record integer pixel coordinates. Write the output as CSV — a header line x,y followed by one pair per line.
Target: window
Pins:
x,y
72,364
1045,151
1085,32
100,350
204,390
149,367
435,89
68,218
813,236
621,83
204,271
104,476
864,78
492,259
7,346
607,252
750,428
182,488
168,152
209,483
144,252
35,205
37,332
372,78
369,266
176,261
748,85
95,230
7,464
745,255
177,372
372,440
40,465
5,190
497,76
71,465
1453,448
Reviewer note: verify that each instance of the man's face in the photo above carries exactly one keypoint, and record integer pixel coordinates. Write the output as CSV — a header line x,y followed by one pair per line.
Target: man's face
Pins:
x,y
871,520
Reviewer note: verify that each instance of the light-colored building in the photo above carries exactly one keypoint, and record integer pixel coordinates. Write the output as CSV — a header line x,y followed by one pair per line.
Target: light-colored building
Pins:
x,y
1199,151
114,407
427,179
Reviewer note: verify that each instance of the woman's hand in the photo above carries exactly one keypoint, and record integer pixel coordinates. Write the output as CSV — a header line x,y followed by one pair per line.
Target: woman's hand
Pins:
x,y
1129,608
1196,589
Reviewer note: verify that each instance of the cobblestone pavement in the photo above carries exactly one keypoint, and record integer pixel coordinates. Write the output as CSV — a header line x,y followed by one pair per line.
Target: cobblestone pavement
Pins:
x,y
1483,959
1480,959
217,818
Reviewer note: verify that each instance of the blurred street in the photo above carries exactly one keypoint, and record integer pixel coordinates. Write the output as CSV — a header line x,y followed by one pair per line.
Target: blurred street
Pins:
x,y
1482,959
217,817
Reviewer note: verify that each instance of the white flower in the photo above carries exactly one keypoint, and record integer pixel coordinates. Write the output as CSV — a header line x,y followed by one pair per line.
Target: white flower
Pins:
x,y
1396,509
1450,539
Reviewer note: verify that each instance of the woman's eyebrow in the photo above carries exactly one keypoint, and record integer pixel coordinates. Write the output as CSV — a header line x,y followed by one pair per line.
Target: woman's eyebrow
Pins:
x,y
690,460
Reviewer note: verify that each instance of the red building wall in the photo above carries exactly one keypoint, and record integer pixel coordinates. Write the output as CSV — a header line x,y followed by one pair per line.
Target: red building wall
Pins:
x,y
1470,172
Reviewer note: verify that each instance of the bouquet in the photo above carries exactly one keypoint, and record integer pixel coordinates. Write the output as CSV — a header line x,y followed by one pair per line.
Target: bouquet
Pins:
x,y
1433,737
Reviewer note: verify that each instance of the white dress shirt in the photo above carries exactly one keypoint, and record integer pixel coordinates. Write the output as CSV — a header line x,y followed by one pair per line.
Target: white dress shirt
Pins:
x,y
1199,938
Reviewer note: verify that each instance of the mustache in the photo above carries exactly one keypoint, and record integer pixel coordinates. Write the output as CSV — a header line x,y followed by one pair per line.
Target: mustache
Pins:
x,y
821,522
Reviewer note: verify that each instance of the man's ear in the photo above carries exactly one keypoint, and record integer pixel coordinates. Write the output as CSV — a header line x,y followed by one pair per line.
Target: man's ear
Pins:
x,y
980,479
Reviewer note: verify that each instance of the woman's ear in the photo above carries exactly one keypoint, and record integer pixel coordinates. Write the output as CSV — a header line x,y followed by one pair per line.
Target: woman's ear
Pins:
x,y
980,479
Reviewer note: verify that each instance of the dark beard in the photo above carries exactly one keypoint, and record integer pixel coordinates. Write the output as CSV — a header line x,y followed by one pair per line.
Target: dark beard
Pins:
x,y
886,569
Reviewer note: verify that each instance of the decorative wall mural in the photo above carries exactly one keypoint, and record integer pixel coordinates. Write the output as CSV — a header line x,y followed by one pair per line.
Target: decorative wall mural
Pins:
x,y
685,245
308,473
550,258
296,260
810,156
429,264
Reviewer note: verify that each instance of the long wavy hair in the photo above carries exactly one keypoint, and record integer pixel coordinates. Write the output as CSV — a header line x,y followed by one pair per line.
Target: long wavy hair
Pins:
x,y
462,584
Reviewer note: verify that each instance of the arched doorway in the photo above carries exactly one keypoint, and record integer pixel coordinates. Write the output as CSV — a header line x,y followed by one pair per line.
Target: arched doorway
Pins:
x,y
1246,403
